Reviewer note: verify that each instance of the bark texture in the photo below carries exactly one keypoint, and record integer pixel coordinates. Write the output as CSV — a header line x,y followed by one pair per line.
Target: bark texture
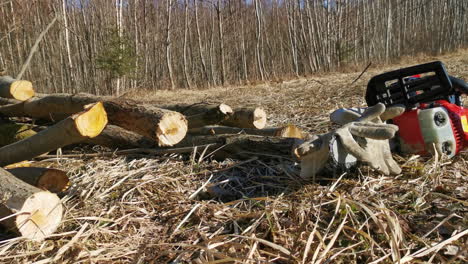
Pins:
x,y
116,137
245,146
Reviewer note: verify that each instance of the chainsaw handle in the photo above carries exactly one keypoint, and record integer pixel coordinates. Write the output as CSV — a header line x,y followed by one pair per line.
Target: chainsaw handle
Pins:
x,y
459,85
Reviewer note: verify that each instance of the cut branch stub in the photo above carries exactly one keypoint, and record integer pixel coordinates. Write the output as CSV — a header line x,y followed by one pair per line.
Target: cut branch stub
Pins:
x,y
15,89
77,128
247,118
49,179
27,210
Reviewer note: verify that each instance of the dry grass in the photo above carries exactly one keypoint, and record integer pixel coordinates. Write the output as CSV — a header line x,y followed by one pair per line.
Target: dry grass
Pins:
x,y
149,209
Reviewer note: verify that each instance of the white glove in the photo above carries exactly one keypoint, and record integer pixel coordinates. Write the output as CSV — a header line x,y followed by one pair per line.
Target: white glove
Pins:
x,y
363,135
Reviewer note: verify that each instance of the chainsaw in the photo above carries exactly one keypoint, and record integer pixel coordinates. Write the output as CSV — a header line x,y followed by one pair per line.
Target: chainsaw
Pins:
x,y
435,119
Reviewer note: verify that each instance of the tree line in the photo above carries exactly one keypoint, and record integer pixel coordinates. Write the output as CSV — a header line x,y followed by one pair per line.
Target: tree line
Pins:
x,y
113,46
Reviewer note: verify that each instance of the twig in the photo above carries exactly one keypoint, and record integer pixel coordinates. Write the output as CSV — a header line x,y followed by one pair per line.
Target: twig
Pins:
x,y
34,48
317,81
370,63
186,218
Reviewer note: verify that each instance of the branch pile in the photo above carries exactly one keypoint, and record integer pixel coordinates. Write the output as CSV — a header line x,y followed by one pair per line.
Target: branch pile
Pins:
x,y
125,126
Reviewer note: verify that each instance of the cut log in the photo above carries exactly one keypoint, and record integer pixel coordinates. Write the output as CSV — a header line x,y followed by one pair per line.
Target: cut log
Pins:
x,y
115,137
213,116
199,115
199,108
164,126
290,131
245,146
52,180
79,127
247,118
27,210
11,133
15,89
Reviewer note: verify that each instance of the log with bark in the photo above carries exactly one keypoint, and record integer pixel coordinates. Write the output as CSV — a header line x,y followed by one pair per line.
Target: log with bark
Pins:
x,y
115,137
27,210
52,180
6,101
290,131
164,126
78,127
15,89
199,115
245,146
247,118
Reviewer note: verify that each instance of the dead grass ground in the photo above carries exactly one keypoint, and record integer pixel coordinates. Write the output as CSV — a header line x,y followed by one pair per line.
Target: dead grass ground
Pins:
x,y
147,209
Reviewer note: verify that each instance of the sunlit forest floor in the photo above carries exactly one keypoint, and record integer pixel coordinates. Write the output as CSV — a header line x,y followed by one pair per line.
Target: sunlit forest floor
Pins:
x,y
153,209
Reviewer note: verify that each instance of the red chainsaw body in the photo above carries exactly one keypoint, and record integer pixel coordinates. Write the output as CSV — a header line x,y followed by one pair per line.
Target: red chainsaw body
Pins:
x,y
412,136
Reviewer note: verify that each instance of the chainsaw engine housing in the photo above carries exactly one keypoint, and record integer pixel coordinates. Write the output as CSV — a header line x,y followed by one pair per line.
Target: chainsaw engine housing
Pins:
x,y
435,119
440,127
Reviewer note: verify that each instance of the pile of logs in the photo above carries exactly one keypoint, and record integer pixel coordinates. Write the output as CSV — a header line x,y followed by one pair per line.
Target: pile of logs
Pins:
x,y
29,203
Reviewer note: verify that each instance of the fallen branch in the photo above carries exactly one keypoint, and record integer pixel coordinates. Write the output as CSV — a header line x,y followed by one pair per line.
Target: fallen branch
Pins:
x,y
290,131
360,75
245,146
152,151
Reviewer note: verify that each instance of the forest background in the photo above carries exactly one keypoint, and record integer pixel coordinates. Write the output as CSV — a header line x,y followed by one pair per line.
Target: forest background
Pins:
x,y
117,46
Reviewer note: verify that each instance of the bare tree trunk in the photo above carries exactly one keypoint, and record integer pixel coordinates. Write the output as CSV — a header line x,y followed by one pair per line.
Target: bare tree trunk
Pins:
x,y
388,34
187,81
168,44
258,31
67,43
200,46
221,42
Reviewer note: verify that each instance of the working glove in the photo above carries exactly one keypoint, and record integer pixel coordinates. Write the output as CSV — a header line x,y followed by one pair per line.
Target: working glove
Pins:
x,y
363,137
